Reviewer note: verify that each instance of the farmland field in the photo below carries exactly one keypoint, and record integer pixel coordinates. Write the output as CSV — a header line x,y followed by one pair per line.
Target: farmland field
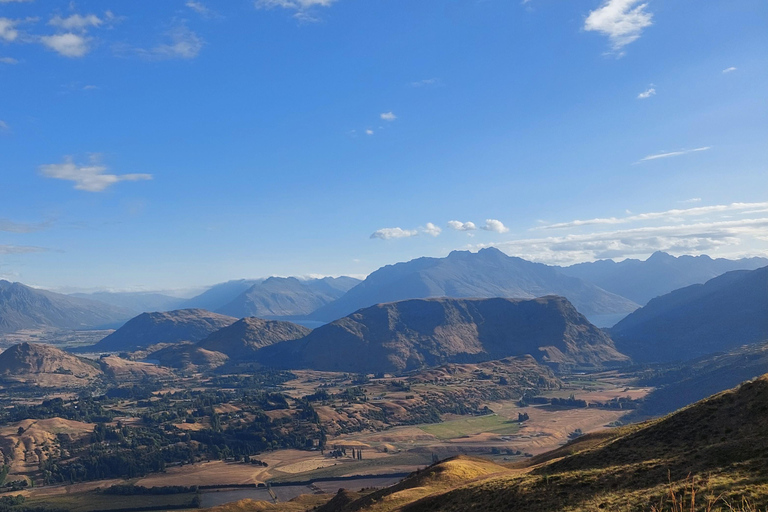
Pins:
x,y
492,424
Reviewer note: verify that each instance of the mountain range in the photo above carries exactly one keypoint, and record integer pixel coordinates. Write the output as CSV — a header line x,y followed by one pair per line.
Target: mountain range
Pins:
x,y
726,312
23,307
411,334
641,281
463,274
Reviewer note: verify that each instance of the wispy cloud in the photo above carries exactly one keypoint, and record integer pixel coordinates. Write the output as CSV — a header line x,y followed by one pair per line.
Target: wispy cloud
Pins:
x,y
494,225
202,9
369,132
20,249
390,233
647,93
461,226
8,60
729,70
622,21
666,215
692,200
4,128
77,21
302,9
10,226
427,82
182,43
681,239
388,116
91,178
673,153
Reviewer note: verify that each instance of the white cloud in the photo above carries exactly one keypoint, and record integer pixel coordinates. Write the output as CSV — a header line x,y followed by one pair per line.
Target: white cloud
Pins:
x,y
647,93
494,225
76,22
8,30
184,44
91,178
729,70
665,215
8,60
202,9
11,1
388,116
431,230
673,153
68,45
369,132
4,128
622,21
390,233
692,200
461,226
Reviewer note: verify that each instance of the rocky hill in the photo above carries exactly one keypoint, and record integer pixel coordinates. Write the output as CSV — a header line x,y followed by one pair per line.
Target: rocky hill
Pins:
x,y
22,307
287,296
660,274
45,366
243,338
463,274
726,312
411,334
166,327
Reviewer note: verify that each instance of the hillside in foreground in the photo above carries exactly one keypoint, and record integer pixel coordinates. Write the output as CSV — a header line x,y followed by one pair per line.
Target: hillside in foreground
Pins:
x,y
717,447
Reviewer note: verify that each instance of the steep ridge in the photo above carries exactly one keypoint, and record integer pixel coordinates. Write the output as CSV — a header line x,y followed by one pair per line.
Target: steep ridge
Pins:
x,y
724,313
163,327
660,274
22,307
287,296
411,334
462,274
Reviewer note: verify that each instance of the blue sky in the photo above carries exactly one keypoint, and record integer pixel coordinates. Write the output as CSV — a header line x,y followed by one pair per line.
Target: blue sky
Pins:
x,y
168,145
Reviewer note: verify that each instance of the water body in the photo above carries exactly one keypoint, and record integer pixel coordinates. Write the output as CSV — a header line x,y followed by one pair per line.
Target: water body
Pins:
x,y
214,498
